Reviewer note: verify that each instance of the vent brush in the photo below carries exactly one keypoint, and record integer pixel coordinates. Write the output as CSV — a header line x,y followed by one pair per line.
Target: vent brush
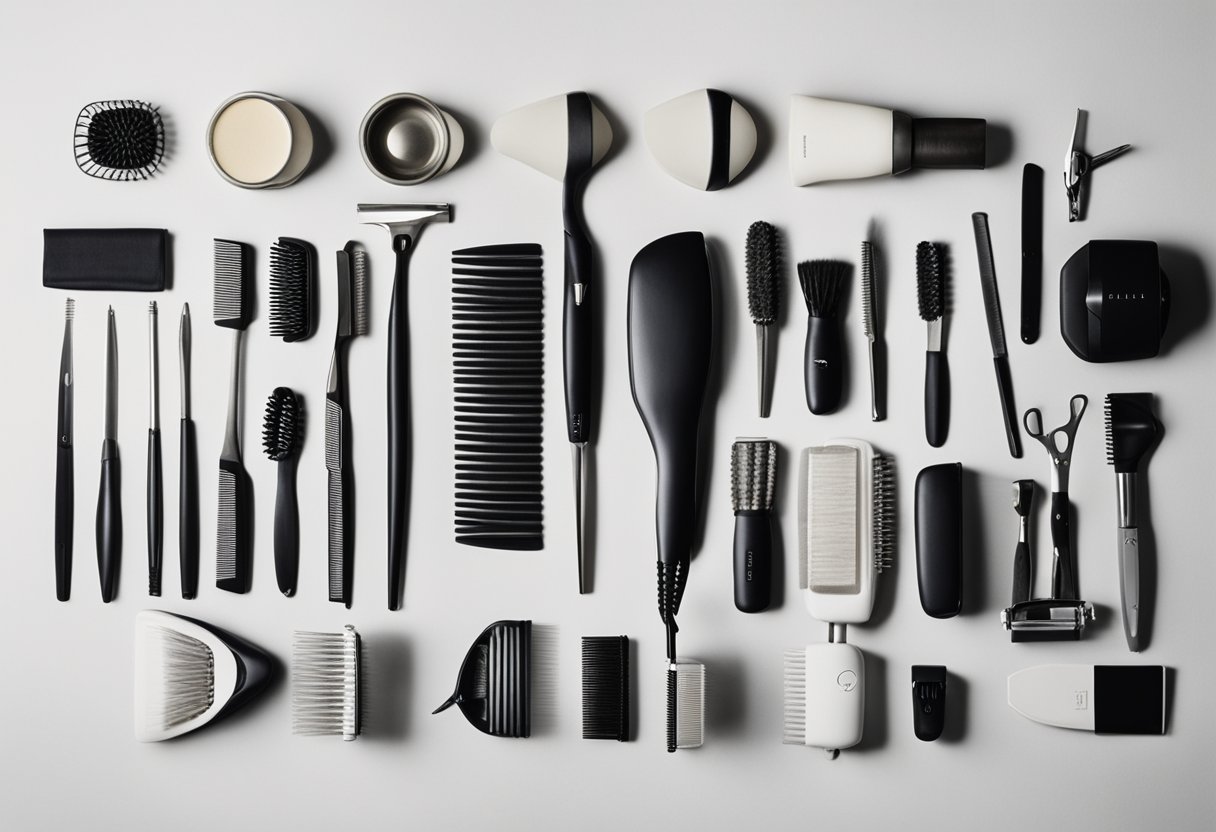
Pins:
x,y
498,374
753,480
121,141
326,697
282,430
233,310
763,300
189,674
823,283
352,322
606,688
931,300
293,278
1131,432
494,690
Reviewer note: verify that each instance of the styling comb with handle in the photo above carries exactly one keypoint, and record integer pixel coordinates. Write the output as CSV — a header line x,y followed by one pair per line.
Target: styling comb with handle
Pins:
x,y
498,374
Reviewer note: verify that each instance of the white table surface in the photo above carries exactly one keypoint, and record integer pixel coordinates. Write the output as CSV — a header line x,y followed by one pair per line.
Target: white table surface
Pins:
x,y
1144,71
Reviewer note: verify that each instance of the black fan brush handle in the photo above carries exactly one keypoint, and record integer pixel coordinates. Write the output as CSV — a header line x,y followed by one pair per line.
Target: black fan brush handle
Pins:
x,y
156,513
109,520
753,560
287,528
822,364
1064,572
64,510
398,421
937,397
187,510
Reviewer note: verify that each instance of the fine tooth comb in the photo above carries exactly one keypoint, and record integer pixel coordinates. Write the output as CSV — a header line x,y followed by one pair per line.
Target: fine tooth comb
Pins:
x,y
326,697
494,689
763,300
189,674
845,528
685,704
352,322
233,308
931,302
498,374
293,278
606,688
121,141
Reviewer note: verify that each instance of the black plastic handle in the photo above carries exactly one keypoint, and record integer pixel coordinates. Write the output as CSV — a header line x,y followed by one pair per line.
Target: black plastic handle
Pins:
x,y
109,520
1004,383
753,561
937,398
1064,569
822,365
287,529
1021,573
398,421
676,496
577,324
65,506
156,513
187,510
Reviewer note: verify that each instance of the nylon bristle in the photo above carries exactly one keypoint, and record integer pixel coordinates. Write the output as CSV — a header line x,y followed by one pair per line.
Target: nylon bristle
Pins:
x,y
1110,436
606,688
822,284
187,683
232,284
867,290
119,140
930,286
763,273
290,290
281,427
325,694
794,722
685,705
359,292
753,475
884,512
69,309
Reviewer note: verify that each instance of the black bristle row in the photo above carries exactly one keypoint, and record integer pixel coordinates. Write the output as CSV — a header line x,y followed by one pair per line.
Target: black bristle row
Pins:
x,y
498,375
292,274
763,273
753,475
281,427
233,265
1110,439
930,281
883,500
119,140
822,284
606,688
672,707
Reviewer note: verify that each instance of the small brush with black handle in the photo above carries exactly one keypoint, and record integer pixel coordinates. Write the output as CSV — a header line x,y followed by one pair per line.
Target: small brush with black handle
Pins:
x,y
753,480
931,301
281,433
763,300
822,284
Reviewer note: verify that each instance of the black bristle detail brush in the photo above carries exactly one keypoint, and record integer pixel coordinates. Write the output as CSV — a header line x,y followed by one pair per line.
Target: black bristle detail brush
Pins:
x,y
281,434
293,276
931,301
121,141
763,299
823,284
606,688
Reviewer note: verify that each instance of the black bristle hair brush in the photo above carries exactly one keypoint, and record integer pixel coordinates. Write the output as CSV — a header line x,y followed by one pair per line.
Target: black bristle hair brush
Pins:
x,y
606,688
293,277
281,435
763,299
121,141
931,301
823,284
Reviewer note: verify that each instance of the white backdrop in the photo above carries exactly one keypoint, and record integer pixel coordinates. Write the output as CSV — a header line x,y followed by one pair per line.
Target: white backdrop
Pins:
x,y
1143,71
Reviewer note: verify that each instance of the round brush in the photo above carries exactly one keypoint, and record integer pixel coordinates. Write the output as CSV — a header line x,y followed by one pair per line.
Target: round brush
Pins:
x,y
281,435
931,300
823,286
119,140
763,298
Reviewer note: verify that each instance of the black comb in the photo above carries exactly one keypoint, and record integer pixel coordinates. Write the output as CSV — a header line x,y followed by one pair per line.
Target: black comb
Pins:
x,y
498,374
121,141
293,276
494,689
606,688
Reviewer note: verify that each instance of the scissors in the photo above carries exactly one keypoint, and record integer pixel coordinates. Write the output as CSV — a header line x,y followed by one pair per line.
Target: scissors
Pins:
x,y
1059,445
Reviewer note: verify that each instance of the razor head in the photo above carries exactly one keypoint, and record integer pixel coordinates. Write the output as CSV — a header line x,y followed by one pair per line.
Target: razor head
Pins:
x,y
1023,497
563,137
1131,430
685,705
403,218
1047,619
753,475
234,284
494,688
325,684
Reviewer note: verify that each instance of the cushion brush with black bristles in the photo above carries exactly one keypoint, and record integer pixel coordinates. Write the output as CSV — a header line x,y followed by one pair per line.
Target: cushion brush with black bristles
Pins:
x,y
121,141
753,480
293,277
282,432
352,322
823,285
763,300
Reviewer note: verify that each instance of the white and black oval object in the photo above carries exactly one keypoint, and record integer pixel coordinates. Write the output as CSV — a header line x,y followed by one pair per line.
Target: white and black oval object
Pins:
x,y
704,138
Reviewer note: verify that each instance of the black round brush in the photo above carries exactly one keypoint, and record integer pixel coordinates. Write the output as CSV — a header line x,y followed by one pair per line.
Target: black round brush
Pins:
x,y
281,435
823,287
931,300
293,269
119,140
763,297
